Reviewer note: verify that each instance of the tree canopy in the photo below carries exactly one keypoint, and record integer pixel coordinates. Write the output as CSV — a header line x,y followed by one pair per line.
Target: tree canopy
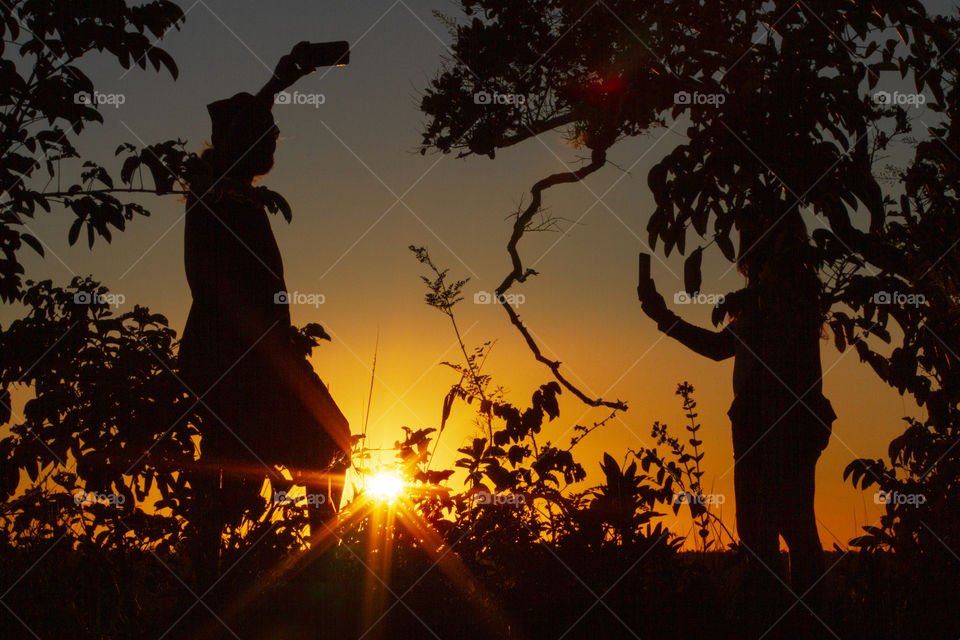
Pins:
x,y
785,107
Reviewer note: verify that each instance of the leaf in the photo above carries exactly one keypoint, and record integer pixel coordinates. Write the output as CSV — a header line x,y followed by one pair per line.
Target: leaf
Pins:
x,y
549,399
657,181
447,406
692,278
74,231
726,247
314,330
159,57
904,35
33,243
839,338
130,165
274,202
284,207
5,407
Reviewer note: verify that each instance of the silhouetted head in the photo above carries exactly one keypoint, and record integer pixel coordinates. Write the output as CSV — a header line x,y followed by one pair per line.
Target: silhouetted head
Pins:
x,y
244,137
778,263
776,251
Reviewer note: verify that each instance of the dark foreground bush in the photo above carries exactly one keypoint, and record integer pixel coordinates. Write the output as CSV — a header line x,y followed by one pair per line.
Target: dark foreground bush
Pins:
x,y
543,594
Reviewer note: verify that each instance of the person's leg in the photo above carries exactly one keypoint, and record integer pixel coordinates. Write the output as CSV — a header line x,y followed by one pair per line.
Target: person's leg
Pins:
x,y
207,524
760,543
799,529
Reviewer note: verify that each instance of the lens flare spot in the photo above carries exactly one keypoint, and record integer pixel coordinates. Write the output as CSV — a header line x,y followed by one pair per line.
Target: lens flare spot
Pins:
x,y
385,487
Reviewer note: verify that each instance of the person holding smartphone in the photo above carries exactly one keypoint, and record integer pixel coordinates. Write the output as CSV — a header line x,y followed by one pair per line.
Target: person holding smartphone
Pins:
x,y
780,419
261,404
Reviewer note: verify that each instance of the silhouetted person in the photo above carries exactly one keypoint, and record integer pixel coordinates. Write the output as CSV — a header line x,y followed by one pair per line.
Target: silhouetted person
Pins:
x,y
774,339
264,405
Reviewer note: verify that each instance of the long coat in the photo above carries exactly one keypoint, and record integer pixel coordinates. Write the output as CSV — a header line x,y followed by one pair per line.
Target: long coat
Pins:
x,y
264,405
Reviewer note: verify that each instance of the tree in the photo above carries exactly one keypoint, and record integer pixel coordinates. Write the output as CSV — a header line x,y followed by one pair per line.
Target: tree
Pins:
x,y
919,486
46,100
775,96
103,449
99,450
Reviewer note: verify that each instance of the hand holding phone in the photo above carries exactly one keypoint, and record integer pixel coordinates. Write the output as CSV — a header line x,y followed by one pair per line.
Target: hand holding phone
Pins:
x,y
322,54
302,60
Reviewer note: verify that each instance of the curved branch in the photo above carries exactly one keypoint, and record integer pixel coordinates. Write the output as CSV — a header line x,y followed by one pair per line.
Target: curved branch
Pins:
x,y
536,128
531,130
87,192
598,159
154,191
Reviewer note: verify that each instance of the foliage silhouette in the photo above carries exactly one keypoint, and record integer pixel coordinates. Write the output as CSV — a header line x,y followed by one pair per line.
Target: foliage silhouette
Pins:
x,y
797,127
774,143
47,97
681,477
533,478
50,102
539,565
602,89
107,418
924,464
100,451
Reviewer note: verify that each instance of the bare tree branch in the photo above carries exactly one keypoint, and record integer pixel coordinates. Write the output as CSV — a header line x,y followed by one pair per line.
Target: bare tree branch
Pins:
x,y
598,159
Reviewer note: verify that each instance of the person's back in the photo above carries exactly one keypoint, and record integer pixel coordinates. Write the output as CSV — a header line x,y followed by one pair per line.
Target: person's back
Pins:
x,y
234,271
777,371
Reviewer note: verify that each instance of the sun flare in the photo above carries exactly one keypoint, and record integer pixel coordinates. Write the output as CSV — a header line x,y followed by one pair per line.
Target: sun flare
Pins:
x,y
385,486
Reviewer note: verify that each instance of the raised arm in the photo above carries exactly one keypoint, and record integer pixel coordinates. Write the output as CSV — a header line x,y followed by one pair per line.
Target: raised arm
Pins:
x,y
302,60
716,345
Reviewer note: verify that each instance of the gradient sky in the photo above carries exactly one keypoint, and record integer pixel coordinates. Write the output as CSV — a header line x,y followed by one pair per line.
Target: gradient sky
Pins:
x,y
361,194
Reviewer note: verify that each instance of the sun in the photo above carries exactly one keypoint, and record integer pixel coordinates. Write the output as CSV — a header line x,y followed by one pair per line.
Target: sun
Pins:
x,y
385,486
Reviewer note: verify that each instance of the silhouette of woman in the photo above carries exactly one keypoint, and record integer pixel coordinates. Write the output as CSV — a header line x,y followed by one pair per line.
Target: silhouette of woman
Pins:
x,y
262,404
781,421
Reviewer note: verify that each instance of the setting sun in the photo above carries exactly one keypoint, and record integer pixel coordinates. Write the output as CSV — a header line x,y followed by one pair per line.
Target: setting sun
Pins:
x,y
385,486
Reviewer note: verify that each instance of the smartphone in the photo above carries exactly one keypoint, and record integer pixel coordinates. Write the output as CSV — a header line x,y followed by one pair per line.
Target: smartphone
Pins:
x,y
645,280
328,54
